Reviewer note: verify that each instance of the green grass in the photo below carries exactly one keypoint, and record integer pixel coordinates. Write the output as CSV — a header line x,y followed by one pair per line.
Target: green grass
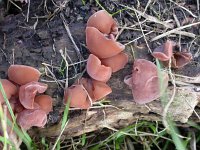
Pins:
x,y
170,124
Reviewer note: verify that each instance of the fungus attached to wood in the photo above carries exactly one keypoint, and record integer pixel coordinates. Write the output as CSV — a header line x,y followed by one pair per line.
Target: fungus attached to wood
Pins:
x,y
77,96
145,81
164,52
116,62
167,51
180,59
96,70
28,91
104,22
100,90
45,102
22,74
31,117
96,89
9,88
100,45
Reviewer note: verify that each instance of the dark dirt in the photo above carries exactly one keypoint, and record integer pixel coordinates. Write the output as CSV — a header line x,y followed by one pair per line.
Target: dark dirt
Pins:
x,y
40,39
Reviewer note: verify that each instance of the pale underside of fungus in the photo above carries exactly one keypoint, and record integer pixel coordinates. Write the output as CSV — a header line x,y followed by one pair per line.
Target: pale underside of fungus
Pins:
x,y
28,92
145,82
31,117
29,108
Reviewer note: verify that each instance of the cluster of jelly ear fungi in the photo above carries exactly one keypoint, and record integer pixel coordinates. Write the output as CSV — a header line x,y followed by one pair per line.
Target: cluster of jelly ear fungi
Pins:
x,y
106,58
21,89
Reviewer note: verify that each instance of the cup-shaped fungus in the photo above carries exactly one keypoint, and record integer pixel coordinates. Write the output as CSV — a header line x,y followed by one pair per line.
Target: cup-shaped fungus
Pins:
x,y
180,59
103,21
22,74
31,117
28,91
77,96
100,90
145,81
96,89
165,51
9,89
45,102
100,45
116,62
96,70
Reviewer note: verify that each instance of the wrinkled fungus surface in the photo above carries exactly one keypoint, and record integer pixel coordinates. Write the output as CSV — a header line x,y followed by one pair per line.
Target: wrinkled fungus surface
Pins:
x,y
22,74
28,91
145,81
104,22
96,70
31,117
100,45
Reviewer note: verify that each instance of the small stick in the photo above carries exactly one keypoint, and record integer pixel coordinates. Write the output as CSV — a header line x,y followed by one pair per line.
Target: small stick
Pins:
x,y
71,38
174,30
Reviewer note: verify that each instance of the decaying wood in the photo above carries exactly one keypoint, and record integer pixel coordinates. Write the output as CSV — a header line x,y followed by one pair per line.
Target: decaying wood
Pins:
x,y
122,111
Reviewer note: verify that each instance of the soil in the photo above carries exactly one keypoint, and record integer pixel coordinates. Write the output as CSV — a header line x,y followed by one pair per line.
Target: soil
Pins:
x,y
38,42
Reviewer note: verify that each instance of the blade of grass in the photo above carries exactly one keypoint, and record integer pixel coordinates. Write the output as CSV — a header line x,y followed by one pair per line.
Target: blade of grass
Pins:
x,y
63,124
170,124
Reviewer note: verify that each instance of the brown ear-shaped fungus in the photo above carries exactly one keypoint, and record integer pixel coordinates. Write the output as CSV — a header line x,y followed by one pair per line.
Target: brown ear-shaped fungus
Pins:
x,y
9,88
45,102
100,45
164,52
31,117
77,96
100,90
28,91
96,70
22,74
145,81
116,62
180,59
96,89
103,21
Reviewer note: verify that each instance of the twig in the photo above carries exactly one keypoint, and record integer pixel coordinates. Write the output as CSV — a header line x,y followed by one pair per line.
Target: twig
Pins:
x,y
174,31
28,11
165,111
138,38
67,65
143,34
148,17
70,36
184,9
